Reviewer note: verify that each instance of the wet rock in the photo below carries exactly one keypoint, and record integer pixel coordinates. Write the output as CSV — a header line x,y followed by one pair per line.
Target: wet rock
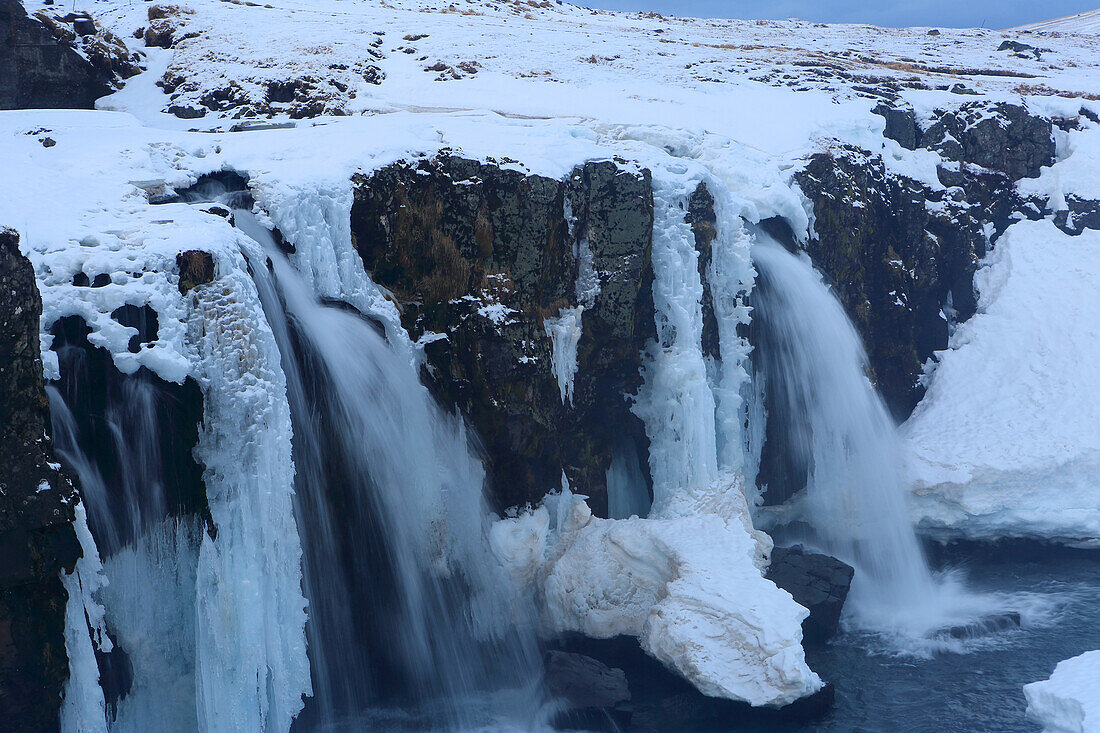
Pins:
x,y
818,582
479,257
114,413
594,696
36,512
703,220
664,701
984,626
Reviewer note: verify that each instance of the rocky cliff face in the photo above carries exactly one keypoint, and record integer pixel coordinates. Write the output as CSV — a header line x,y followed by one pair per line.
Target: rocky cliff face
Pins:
x,y
54,61
485,263
901,254
36,513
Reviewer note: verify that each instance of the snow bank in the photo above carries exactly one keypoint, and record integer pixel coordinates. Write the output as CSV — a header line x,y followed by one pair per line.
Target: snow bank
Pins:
x,y
687,588
1007,440
1068,702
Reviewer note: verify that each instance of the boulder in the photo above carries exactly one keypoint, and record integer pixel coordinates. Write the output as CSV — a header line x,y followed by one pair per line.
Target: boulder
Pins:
x,y
901,125
817,582
592,695
999,136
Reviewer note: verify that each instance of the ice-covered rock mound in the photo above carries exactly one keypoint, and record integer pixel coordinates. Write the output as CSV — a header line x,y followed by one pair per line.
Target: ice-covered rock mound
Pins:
x,y
688,587
1068,702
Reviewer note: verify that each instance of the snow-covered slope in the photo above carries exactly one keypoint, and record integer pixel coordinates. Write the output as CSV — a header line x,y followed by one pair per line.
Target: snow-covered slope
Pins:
x,y
550,59
1068,702
1007,440
1084,23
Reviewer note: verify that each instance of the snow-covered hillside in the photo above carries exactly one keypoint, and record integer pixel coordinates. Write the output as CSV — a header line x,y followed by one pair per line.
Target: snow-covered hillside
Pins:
x,y
1087,23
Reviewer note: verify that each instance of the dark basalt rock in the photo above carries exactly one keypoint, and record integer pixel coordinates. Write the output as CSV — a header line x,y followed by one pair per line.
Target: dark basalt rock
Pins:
x,y
593,696
901,125
894,262
478,257
817,582
1080,214
36,512
40,65
998,136
704,226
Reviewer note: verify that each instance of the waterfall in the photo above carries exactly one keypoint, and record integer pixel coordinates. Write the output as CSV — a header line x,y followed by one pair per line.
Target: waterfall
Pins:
x,y
407,606
814,363
145,555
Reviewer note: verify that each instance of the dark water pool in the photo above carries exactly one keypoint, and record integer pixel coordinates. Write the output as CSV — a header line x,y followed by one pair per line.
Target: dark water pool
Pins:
x,y
980,689
976,691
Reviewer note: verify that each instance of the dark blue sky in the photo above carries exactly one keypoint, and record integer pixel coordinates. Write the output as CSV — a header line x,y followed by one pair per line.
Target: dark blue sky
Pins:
x,y
947,13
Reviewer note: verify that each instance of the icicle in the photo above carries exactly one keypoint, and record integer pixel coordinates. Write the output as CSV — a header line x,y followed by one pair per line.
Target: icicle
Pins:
x,y
730,277
565,334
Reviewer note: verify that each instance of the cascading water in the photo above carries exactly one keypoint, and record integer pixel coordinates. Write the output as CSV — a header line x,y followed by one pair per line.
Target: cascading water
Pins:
x,y
838,426
407,607
147,553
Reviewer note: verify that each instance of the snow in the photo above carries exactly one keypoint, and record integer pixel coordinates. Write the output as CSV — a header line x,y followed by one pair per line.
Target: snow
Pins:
x,y
1086,23
1006,441
1076,171
1069,701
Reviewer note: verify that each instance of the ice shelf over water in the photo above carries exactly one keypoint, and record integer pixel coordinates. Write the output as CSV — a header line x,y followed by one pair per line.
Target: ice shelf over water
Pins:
x,y
1068,702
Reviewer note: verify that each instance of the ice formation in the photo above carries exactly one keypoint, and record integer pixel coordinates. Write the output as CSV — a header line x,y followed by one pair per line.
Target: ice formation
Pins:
x,y
564,332
1069,701
679,585
678,579
82,707
251,665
